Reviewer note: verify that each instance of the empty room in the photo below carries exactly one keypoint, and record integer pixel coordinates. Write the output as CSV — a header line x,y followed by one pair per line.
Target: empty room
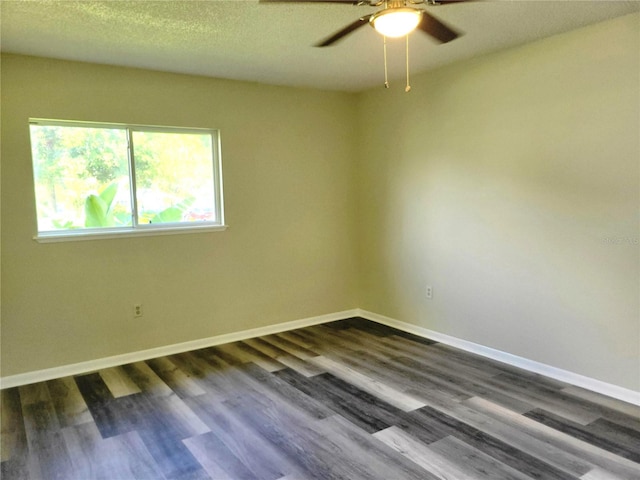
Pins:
x,y
321,239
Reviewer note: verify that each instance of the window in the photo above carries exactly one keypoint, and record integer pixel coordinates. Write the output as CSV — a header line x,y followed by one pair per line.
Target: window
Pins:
x,y
104,179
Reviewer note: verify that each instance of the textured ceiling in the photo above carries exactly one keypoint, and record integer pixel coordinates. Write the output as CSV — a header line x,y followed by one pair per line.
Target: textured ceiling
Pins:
x,y
272,43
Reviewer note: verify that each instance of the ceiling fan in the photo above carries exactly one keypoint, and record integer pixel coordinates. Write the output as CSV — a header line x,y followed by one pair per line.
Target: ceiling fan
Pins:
x,y
397,18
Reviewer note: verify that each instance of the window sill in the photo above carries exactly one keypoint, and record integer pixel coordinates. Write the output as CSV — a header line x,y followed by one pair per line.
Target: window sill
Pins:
x,y
125,233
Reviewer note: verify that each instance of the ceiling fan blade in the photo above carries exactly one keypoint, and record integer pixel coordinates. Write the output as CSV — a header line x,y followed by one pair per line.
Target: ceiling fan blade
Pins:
x,y
438,30
352,2
344,32
447,2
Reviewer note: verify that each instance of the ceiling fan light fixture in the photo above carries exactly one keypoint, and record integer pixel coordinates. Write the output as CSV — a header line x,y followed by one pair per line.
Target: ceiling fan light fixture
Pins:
x,y
396,22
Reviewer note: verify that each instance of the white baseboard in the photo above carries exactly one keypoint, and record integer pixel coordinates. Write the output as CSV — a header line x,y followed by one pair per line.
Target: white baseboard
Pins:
x,y
592,384
116,360
608,389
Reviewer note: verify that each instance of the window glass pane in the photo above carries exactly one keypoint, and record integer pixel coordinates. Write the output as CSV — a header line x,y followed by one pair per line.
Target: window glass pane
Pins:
x,y
174,177
81,177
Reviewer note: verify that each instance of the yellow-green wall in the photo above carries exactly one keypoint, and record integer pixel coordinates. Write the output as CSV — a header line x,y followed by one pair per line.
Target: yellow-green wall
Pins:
x,y
510,183
501,182
288,253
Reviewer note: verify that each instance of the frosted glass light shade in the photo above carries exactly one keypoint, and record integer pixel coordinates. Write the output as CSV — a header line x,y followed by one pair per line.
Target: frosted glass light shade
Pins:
x,y
396,22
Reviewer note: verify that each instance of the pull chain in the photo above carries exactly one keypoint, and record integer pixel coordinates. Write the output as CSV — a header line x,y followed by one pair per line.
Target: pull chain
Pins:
x,y
386,75
408,87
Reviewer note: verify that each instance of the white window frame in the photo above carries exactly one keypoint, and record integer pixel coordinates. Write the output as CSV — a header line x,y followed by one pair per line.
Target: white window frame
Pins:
x,y
138,229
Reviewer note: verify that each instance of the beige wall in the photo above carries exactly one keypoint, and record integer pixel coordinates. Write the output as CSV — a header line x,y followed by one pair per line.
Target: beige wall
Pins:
x,y
288,253
498,181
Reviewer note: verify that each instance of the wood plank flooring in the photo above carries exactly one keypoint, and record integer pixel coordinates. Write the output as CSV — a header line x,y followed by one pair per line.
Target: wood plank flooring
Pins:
x,y
346,400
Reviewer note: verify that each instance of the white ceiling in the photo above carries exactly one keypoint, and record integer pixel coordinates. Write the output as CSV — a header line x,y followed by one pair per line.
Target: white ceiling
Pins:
x,y
272,43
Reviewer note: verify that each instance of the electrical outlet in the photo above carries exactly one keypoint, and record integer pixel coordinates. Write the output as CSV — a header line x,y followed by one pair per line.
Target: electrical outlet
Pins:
x,y
428,292
137,310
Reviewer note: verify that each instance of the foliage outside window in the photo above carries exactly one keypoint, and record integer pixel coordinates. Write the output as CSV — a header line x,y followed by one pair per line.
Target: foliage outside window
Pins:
x,y
101,178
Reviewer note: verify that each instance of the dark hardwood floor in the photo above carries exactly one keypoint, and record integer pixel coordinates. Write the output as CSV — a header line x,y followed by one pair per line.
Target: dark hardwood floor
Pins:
x,y
346,400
